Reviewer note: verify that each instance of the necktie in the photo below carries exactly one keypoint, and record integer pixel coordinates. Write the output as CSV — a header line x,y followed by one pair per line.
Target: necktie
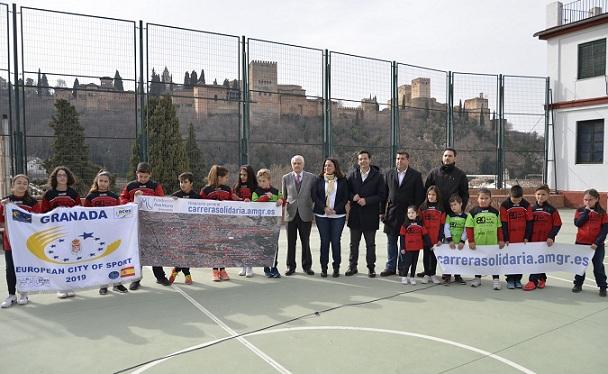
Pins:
x,y
298,182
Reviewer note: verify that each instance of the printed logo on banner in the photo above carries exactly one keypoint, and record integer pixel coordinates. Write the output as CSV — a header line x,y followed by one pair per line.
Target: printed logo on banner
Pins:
x,y
145,203
127,272
50,245
38,282
123,212
20,216
113,275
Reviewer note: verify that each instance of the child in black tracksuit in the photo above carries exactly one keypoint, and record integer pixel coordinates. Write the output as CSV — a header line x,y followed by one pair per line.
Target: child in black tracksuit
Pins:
x,y
185,192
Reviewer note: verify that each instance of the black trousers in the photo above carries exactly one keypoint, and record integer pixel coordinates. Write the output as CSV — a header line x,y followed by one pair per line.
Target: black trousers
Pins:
x,y
514,277
408,262
11,278
295,227
158,271
598,269
430,262
186,271
370,248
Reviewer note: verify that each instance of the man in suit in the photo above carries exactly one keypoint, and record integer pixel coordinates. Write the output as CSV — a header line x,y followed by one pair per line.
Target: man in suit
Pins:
x,y
367,194
296,188
403,187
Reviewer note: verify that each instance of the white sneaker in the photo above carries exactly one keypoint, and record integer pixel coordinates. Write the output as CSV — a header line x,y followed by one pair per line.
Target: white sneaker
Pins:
x,y
476,282
22,299
62,294
249,272
9,301
426,279
496,284
435,279
243,271
413,281
71,293
404,280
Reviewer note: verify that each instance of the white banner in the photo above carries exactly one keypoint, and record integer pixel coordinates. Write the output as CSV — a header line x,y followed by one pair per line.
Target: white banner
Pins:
x,y
207,233
73,248
520,258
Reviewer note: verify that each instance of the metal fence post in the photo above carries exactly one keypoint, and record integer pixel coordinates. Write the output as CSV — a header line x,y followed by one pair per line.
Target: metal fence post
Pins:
x,y
327,146
394,110
140,132
546,164
244,128
18,135
500,132
450,114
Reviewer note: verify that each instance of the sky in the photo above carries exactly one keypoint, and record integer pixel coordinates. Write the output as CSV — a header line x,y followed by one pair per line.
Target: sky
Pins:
x,y
486,36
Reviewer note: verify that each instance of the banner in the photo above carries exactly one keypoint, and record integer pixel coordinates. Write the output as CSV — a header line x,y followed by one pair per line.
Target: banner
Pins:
x,y
73,248
520,258
207,233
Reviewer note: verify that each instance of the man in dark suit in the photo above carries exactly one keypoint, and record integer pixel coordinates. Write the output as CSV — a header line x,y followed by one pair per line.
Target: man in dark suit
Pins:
x,y
367,194
403,187
296,187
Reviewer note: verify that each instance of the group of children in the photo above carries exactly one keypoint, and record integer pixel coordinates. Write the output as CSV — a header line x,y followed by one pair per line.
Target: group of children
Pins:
x,y
517,221
426,226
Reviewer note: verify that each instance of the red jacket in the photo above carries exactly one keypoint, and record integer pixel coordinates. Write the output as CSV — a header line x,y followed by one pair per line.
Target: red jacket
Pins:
x,y
516,220
433,220
415,237
216,193
546,222
30,204
592,226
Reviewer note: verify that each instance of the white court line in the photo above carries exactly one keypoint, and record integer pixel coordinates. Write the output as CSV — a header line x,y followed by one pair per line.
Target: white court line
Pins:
x,y
278,367
365,329
591,285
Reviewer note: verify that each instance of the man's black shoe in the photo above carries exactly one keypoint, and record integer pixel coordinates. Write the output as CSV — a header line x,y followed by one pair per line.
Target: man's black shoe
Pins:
x,y
336,273
290,272
371,274
386,273
164,281
351,272
602,292
323,273
577,288
309,272
134,285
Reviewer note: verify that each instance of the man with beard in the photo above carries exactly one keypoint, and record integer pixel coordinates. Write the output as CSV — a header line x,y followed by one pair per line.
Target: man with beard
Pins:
x,y
450,180
366,187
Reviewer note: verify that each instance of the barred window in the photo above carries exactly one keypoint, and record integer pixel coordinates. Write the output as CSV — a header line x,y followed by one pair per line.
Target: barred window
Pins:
x,y
590,142
592,59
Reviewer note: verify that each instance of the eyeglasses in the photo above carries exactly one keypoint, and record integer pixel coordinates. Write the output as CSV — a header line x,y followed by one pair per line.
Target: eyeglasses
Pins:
x,y
243,175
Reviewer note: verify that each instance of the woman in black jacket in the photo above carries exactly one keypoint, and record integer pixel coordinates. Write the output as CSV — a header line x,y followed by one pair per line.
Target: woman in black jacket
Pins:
x,y
330,196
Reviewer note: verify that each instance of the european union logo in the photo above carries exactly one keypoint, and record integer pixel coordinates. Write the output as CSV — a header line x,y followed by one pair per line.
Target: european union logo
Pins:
x,y
20,216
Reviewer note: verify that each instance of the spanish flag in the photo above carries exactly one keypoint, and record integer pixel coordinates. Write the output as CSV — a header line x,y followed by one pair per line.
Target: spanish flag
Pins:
x,y
127,272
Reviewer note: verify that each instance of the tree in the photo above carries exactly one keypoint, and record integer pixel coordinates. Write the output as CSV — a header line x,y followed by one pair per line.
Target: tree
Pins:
x,y
29,82
215,82
75,88
193,78
187,80
201,78
226,83
195,159
166,150
42,85
118,86
69,147
135,158
156,87
61,83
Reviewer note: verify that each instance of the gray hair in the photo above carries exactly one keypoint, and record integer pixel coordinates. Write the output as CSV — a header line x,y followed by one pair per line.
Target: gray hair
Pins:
x,y
297,157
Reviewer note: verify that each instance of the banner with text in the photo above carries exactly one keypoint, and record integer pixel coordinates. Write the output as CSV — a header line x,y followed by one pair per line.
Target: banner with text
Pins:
x,y
73,248
520,258
207,233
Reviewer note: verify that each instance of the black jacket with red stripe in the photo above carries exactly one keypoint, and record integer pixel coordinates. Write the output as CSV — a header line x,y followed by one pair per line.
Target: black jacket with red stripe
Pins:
x,y
220,193
150,188
99,199
546,222
54,198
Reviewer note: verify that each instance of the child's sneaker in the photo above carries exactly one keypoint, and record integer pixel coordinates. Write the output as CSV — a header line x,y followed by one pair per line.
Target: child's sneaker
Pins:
x,y
120,289
64,294
542,283
243,271
215,275
102,291
404,280
476,282
267,272
173,275
274,272
249,272
188,279
458,279
530,286
435,279
412,281
426,279
496,284
22,298
517,284
223,275
9,301
511,285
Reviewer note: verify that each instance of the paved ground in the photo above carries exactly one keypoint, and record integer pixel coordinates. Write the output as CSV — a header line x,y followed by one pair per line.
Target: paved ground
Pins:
x,y
305,324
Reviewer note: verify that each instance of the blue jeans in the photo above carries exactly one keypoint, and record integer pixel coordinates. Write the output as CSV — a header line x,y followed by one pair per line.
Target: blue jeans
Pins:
x,y
391,252
330,231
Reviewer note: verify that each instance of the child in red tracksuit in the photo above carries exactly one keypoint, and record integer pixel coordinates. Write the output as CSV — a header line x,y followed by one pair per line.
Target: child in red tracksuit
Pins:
x,y
99,196
592,223
516,221
61,194
143,185
217,189
21,197
546,223
433,219
414,237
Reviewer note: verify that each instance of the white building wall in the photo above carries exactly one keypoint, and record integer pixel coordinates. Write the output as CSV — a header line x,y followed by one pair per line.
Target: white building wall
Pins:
x,y
563,70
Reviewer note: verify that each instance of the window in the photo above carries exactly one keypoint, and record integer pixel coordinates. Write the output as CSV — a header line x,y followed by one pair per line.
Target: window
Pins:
x,y
590,142
592,59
